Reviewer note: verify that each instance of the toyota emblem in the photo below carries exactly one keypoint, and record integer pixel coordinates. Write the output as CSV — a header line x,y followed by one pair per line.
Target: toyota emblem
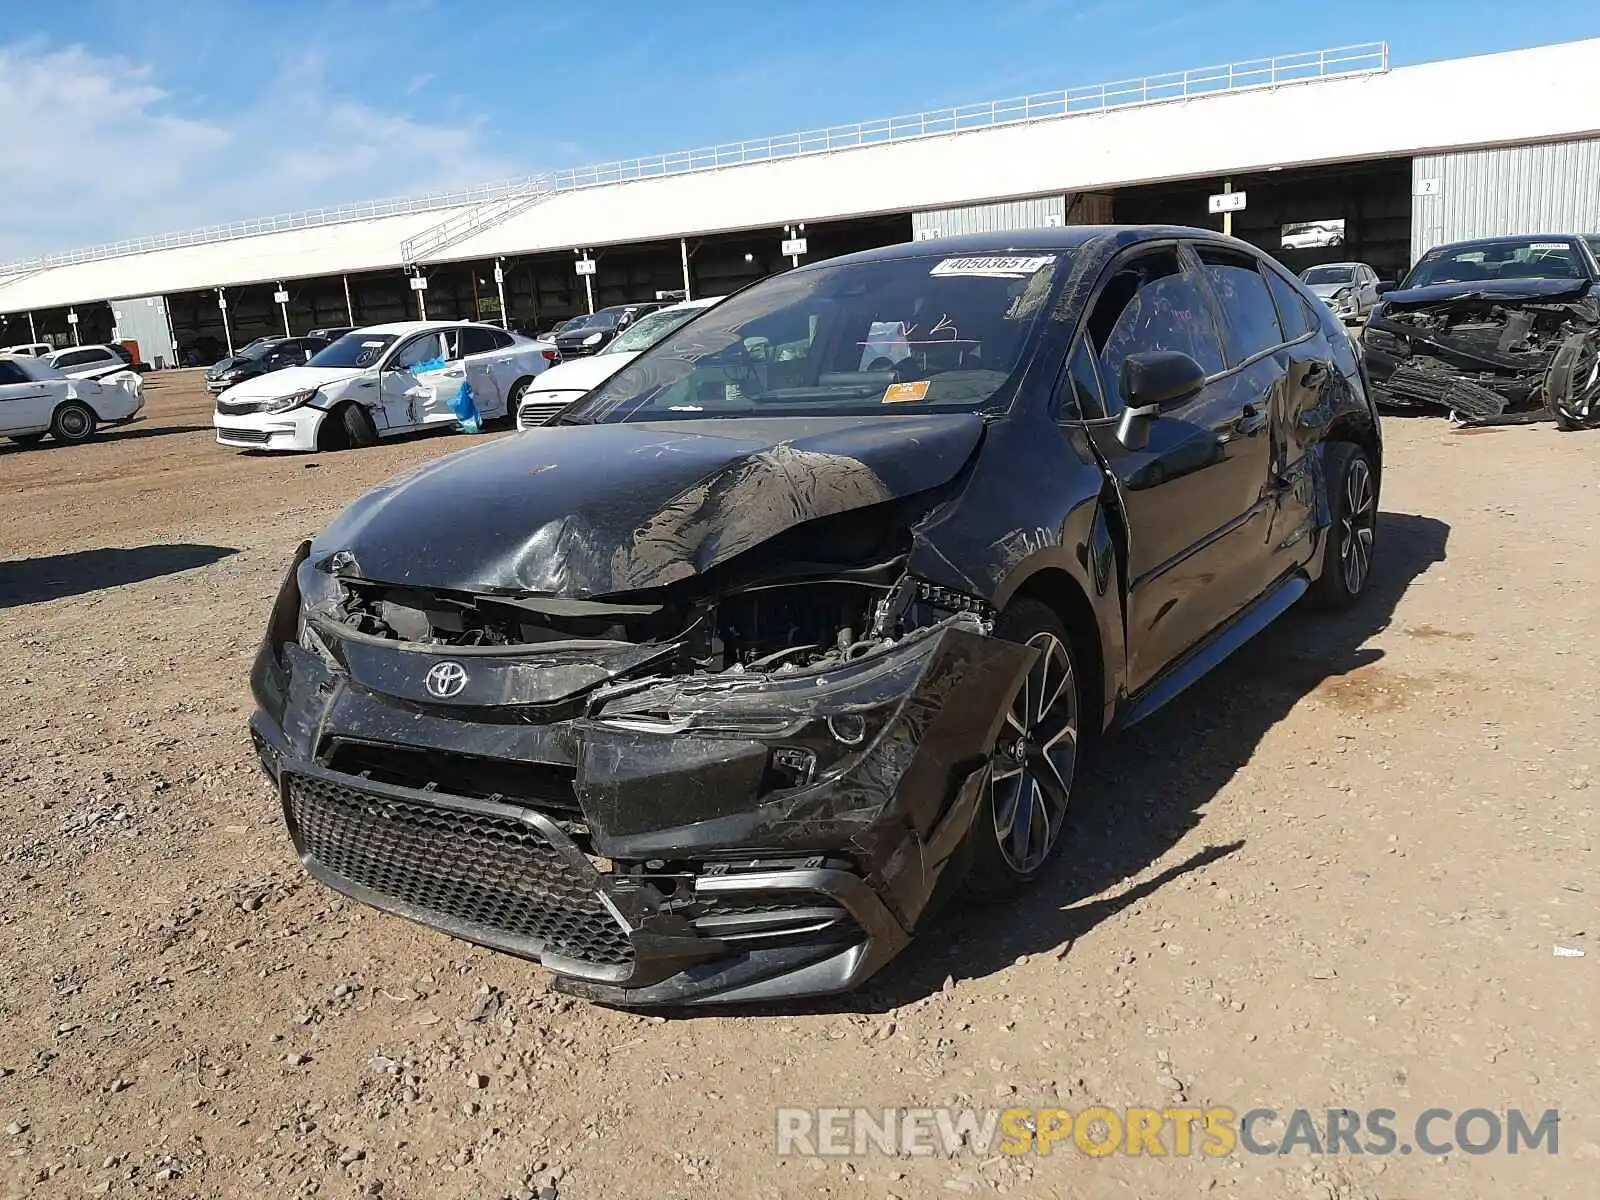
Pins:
x,y
445,679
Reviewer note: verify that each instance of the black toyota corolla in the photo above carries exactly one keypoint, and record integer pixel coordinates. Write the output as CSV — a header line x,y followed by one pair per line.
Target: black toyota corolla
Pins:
x,y
801,622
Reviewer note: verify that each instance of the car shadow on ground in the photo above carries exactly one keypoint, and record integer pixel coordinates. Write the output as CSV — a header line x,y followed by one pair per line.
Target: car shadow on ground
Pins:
x,y
35,580
106,434
1149,786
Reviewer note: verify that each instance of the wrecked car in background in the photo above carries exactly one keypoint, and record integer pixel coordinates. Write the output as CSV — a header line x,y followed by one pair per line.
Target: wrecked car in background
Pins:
x,y
715,689
381,381
1493,330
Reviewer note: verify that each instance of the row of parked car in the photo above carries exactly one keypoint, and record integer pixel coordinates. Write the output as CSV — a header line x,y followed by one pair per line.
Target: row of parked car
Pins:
x,y
312,393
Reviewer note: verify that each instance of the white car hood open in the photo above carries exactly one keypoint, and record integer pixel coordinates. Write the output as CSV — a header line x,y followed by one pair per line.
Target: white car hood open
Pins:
x,y
290,380
582,373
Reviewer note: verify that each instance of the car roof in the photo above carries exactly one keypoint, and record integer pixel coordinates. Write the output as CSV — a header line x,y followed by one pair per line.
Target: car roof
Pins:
x,y
1060,237
703,302
53,354
401,328
1509,237
1317,266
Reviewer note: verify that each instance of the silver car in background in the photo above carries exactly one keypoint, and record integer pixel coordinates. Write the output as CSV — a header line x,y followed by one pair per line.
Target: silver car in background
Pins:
x,y
1350,289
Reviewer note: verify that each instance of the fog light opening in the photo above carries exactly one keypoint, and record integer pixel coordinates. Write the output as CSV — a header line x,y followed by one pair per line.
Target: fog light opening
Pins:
x,y
793,766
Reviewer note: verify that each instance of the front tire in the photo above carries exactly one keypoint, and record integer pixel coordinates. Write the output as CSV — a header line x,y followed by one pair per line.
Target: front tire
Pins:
x,y
1352,534
73,422
1018,827
347,427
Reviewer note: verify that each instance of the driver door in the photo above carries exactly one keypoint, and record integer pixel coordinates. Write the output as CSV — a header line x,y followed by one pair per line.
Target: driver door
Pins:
x,y
412,385
25,404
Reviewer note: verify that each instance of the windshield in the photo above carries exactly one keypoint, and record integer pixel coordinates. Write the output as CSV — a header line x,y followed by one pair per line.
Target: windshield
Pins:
x,y
648,330
1506,258
945,334
257,350
353,350
1316,275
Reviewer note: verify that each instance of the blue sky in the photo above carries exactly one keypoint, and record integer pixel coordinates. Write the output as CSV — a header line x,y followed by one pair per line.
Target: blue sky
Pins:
x,y
188,112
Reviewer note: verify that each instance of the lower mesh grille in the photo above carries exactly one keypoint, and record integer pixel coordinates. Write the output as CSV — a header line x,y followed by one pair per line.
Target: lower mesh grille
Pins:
x,y
492,873
257,437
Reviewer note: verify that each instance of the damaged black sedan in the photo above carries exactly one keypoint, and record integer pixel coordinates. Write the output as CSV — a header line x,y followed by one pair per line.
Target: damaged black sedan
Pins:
x,y
1499,330
802,622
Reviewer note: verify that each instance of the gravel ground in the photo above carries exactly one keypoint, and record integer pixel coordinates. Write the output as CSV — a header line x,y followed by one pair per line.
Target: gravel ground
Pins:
x,y
1334,874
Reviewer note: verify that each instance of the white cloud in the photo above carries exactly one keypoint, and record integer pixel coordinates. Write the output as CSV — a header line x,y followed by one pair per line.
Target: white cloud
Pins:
x,y
101,148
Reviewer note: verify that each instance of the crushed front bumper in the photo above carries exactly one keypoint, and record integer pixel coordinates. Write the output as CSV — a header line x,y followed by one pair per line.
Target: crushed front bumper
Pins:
x,y
647,859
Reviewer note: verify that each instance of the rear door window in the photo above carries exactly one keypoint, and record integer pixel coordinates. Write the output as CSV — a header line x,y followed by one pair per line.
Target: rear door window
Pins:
x,y
477,341
1249,319
11,373
1297,319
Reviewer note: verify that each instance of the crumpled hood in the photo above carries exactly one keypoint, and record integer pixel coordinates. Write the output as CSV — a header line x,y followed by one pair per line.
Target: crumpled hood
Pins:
x,y
591,510
1489,289
289,380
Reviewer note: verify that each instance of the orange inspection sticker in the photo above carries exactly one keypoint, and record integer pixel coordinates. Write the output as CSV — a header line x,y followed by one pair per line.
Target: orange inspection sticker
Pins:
x,y
906,393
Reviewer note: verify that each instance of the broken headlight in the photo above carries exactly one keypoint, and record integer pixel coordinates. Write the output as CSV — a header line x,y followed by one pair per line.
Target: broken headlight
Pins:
x,y
321,593
1386,343
293,400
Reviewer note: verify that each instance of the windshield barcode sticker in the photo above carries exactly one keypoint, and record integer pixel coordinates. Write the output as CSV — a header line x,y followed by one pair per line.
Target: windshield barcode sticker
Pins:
x,y
994,266
1548,246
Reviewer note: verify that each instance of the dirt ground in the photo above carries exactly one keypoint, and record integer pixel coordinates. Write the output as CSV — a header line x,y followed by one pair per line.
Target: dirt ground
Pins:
x,y
1334,874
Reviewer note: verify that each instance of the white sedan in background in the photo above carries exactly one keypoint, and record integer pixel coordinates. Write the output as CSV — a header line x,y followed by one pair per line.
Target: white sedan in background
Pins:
x,y
560,386
36,399
382,381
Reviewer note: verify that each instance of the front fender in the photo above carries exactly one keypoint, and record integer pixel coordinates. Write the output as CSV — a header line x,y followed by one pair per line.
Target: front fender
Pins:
x,y
1032,518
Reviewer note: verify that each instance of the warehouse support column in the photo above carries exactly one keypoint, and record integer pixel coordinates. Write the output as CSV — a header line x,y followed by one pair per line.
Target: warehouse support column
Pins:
x,y
1227,217
282,297
32,332
349,309
683,249
227,330
500,289
72,320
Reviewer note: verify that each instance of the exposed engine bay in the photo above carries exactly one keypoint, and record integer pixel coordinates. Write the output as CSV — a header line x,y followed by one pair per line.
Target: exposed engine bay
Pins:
x,y
828,591
1487,361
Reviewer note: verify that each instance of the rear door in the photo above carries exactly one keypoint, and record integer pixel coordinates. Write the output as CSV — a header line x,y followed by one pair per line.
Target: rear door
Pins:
x,y
488,367
1193,492
1271,381
1319,362
26,404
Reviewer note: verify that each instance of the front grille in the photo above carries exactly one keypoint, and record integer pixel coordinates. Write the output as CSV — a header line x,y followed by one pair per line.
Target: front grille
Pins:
x,y
537,412
237,408
256,437
494,875
541,786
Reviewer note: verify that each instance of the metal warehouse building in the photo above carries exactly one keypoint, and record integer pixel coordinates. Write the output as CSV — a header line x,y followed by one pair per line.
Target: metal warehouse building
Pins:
x,y
1397,159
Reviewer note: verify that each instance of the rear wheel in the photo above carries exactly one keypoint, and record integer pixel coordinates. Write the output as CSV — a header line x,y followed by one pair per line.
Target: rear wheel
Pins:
x,y
1018,827
27,439
1352,535
74,422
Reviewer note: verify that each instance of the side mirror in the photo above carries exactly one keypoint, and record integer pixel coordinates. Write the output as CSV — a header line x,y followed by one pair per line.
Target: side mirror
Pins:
x,y
1154,382
1385,286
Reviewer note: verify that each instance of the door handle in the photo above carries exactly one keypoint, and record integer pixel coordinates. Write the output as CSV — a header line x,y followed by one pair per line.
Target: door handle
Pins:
x,y
1251,421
